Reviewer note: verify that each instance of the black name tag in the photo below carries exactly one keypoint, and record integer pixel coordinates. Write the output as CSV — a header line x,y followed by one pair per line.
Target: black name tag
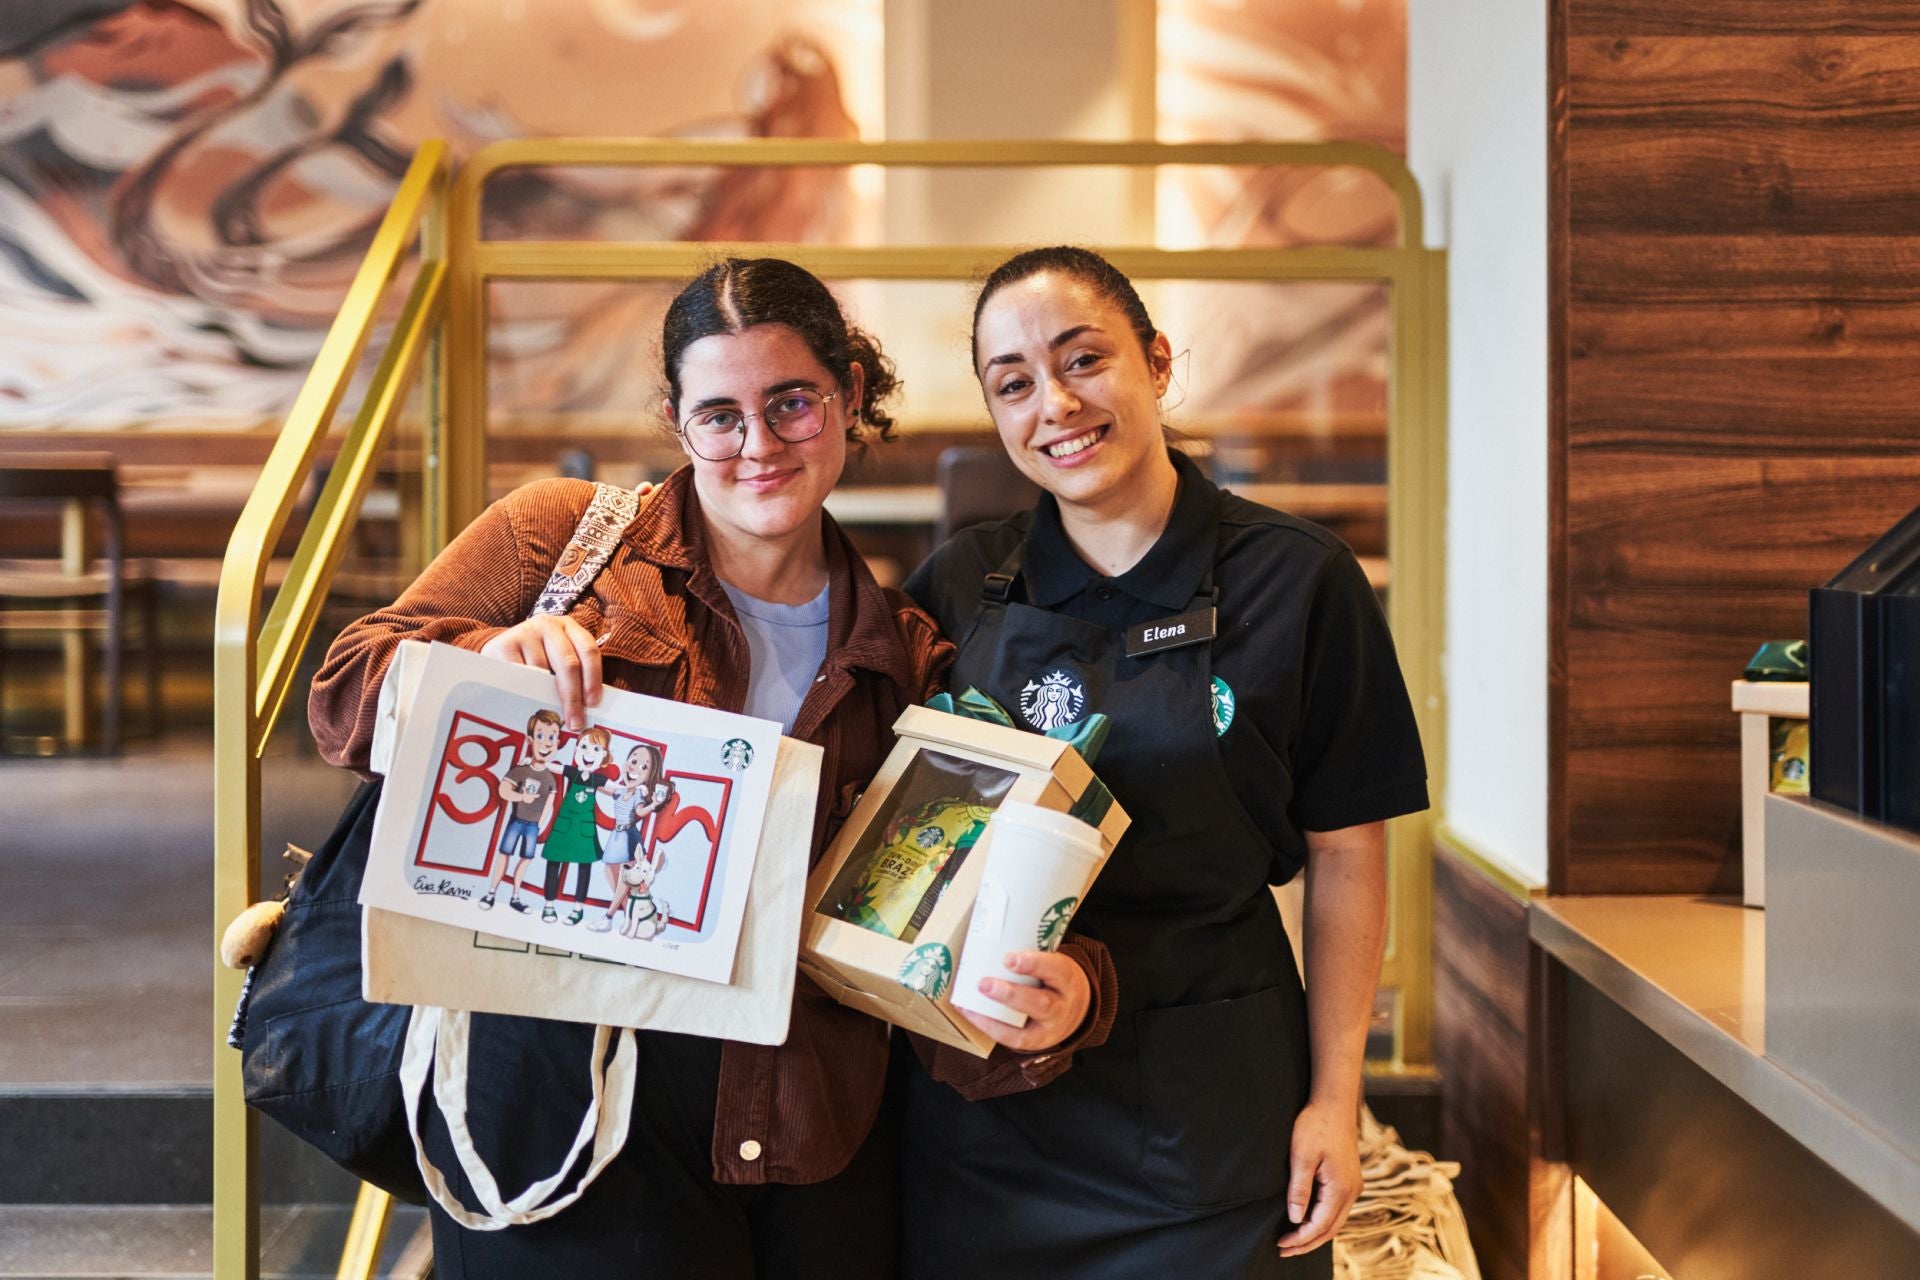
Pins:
x,y
1170,633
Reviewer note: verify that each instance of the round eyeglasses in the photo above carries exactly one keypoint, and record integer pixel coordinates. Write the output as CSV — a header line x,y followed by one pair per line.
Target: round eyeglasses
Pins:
x,y
721,433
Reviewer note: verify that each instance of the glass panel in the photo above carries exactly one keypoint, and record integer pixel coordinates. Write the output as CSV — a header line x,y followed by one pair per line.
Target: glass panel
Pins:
x,y
574,383
915,844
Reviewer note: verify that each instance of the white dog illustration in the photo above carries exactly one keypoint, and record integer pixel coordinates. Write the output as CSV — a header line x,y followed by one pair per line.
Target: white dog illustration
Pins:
x,y
646,915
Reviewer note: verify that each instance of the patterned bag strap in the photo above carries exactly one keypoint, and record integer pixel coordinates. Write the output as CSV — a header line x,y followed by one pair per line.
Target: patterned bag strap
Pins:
x,y
592,544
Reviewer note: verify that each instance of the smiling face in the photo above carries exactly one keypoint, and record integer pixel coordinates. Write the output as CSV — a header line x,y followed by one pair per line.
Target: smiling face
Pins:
x,y
546,740
639,766
1072,393
773,489
589,755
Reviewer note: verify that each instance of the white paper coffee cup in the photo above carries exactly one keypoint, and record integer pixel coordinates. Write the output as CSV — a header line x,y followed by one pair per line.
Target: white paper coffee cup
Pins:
x,y
1039,865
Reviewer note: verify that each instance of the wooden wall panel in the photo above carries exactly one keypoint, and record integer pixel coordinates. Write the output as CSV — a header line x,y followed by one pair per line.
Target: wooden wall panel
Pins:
x,y
1652,271
1644,520
1480,1051
1847,79
1721,18
1735,399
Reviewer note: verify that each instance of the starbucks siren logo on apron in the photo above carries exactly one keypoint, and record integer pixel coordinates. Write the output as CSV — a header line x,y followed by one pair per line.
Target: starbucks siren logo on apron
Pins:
x,y
1056,698
1222,699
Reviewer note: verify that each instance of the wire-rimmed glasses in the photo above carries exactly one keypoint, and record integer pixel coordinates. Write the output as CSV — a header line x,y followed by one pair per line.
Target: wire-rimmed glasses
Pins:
x,y
720,433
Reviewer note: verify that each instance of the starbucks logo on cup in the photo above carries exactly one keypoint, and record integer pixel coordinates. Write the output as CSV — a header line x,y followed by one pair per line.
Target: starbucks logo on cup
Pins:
x,y
1053,925
927,969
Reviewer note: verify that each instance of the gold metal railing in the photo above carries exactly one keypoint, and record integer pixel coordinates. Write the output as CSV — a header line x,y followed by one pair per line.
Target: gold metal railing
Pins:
x,y
447,313
256,660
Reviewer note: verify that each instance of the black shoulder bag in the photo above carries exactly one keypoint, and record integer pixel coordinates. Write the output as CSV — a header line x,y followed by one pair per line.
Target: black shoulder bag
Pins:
x,y
316,1058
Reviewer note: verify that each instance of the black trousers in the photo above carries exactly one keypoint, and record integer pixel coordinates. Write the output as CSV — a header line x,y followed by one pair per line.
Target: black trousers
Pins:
x,y
656,1213
557,879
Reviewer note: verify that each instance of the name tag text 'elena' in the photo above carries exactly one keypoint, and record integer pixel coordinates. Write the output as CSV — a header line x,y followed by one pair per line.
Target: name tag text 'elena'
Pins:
x,y
1170,633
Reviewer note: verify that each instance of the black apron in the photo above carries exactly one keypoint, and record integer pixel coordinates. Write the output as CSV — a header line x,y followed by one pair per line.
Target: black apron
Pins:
x,y
1163,1152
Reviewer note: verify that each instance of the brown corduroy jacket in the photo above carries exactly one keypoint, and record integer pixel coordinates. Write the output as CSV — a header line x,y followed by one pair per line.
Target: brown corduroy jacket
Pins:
x,y
795,1112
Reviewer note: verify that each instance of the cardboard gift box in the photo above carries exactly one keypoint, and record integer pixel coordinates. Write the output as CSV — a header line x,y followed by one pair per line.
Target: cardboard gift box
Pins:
x,y
1770,711
908,864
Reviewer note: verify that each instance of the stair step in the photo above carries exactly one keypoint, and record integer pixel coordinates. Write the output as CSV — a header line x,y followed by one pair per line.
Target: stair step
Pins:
x,y
117,1146
297,1241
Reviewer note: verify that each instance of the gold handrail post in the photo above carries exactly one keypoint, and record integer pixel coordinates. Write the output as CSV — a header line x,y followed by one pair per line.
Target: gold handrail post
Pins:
x,y
462,472
1416,605
434,249
236,838
1431,522
240,717
366,1234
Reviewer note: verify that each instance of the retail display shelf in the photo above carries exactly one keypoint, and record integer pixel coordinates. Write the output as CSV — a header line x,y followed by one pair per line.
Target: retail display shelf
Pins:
x,y
1693,970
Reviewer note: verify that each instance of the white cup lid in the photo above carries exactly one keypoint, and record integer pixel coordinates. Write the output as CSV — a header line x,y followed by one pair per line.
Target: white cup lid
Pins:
x,y
1050,822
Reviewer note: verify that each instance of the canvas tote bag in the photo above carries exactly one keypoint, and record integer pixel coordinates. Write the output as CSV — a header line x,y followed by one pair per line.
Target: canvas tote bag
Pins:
x,y
346,1075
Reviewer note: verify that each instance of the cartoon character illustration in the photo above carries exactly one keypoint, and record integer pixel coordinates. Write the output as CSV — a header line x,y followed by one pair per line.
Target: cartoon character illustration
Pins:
x,y
574,839
640,793
530,789
646,915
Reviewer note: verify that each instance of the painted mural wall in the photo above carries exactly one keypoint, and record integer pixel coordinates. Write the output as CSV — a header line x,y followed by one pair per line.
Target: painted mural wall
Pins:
x,y
1313,356
186,186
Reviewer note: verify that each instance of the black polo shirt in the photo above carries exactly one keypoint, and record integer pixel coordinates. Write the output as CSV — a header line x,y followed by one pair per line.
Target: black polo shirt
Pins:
x,y
1313,689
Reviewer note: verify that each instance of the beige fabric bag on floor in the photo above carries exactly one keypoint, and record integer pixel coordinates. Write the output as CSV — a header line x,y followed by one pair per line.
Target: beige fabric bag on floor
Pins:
x,y
1406,1225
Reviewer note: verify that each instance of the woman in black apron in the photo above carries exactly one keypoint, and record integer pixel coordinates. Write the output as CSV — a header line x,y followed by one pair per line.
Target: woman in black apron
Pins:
x,y
1260,725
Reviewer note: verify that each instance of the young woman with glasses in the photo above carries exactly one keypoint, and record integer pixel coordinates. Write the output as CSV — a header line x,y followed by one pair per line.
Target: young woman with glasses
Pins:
x,y
734,589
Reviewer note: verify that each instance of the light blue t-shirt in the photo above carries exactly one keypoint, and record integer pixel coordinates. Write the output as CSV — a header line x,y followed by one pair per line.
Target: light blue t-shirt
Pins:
x,y
787,642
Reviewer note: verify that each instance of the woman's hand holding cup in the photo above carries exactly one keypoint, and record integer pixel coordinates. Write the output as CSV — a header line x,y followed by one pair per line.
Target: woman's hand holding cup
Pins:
x,y
1055,1009
1038,865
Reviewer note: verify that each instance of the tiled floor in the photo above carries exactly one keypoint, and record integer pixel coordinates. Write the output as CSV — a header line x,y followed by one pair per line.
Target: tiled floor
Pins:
x,y
106,926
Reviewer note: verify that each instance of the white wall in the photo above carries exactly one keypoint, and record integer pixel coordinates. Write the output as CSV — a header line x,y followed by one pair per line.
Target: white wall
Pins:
x,y
1000,69
1477,112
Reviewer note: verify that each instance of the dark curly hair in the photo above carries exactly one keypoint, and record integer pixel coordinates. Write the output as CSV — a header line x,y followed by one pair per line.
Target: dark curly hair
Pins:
x,y
1085,265
737,293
